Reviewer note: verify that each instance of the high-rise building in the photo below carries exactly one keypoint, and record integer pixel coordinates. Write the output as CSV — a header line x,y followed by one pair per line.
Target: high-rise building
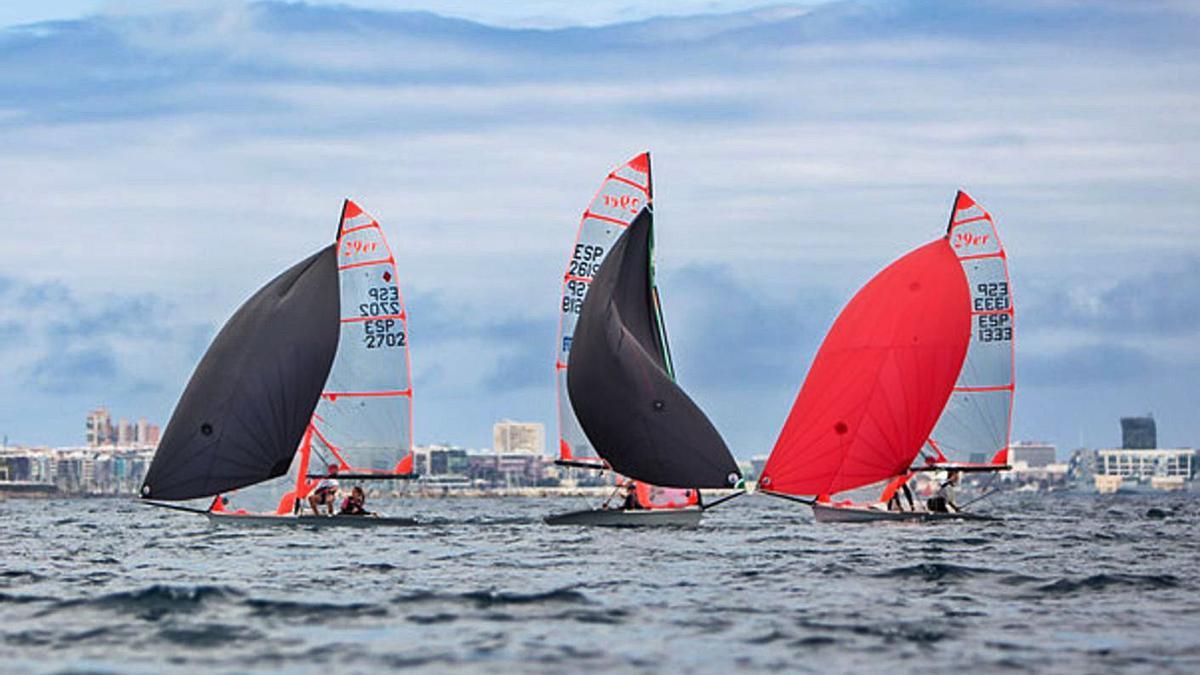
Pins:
x,y
141,433
125,433
510,437
1139,433
99,428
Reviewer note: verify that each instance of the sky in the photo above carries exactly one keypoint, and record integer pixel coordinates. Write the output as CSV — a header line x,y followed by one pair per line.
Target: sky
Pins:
x,y
161,161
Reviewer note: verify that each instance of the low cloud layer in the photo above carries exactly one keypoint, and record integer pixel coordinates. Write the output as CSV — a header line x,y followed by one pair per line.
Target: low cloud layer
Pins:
x,y
160,165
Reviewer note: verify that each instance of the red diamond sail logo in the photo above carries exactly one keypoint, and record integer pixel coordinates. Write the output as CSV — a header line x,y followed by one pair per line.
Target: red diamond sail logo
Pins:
x,y
387,276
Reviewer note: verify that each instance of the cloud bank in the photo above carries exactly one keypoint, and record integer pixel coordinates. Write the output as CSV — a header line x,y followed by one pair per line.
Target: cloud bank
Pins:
x,y
162,165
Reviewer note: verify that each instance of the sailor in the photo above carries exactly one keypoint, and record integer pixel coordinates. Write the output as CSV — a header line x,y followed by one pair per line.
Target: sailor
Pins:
x,y
325,492
355,504
631,501
943,501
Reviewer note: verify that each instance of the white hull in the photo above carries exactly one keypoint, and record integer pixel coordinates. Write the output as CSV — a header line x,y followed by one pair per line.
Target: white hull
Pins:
x,y
856,514
685,517
261,520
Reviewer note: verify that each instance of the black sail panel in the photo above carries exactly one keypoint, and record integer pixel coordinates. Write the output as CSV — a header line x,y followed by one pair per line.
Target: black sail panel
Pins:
x,y
630,407
246,408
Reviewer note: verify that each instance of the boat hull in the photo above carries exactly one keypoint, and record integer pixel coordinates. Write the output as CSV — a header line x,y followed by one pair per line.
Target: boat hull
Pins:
x,y
853,514
264,520
686,517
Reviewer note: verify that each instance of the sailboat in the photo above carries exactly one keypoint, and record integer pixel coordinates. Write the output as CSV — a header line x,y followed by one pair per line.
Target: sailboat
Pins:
x,y
619,406
313,367
915,375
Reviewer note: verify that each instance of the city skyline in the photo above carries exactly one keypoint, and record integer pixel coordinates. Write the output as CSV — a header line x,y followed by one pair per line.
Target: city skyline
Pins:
x,y
168,189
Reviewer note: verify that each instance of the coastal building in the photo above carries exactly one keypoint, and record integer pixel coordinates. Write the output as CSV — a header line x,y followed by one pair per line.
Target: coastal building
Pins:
x,y
527,437
1146,464
1033,454
1139,433
98,428
440,460
757,463
101,431
125,433
76,471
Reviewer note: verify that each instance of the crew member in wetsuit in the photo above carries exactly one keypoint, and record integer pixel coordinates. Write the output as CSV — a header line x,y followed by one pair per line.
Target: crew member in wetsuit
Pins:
x,y
355,504
630,502
325,492
943,501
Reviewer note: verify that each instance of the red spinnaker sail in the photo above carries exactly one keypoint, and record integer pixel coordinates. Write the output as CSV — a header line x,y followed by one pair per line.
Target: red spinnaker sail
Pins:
x,y
879,381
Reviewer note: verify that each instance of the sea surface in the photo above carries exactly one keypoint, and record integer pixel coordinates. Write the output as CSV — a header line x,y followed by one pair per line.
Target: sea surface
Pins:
x,y
1063,584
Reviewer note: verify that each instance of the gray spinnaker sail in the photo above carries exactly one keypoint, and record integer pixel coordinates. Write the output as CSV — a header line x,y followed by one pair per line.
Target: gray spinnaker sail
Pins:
x,y
246,408
620,384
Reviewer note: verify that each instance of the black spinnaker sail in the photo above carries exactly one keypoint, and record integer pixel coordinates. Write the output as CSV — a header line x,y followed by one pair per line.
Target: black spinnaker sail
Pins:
x,y
248,404
621,384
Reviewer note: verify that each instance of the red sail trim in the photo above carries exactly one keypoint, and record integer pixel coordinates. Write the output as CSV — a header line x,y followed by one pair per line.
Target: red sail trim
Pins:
x,y
358,319
880,379
351,210
366,263
626,181
974,219
358,228
986,312
576,277
979,256
607,219
941,457
998,387
890,490
559,365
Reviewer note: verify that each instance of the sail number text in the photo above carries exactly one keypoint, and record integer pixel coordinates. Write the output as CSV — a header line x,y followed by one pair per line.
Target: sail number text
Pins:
x,y
991,296
379,333
994,327
385,301
585,261
573,295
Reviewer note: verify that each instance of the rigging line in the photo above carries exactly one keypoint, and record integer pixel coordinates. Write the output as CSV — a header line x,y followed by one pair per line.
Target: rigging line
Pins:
x,y
790,498
722,500
980,498
174,507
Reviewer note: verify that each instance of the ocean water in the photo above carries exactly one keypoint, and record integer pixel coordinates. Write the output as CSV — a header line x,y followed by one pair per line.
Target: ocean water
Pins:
x,y
1064,584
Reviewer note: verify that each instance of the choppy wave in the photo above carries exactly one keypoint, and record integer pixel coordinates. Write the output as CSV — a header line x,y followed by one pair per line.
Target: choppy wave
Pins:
x,y
489,588
1100,582
936,571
